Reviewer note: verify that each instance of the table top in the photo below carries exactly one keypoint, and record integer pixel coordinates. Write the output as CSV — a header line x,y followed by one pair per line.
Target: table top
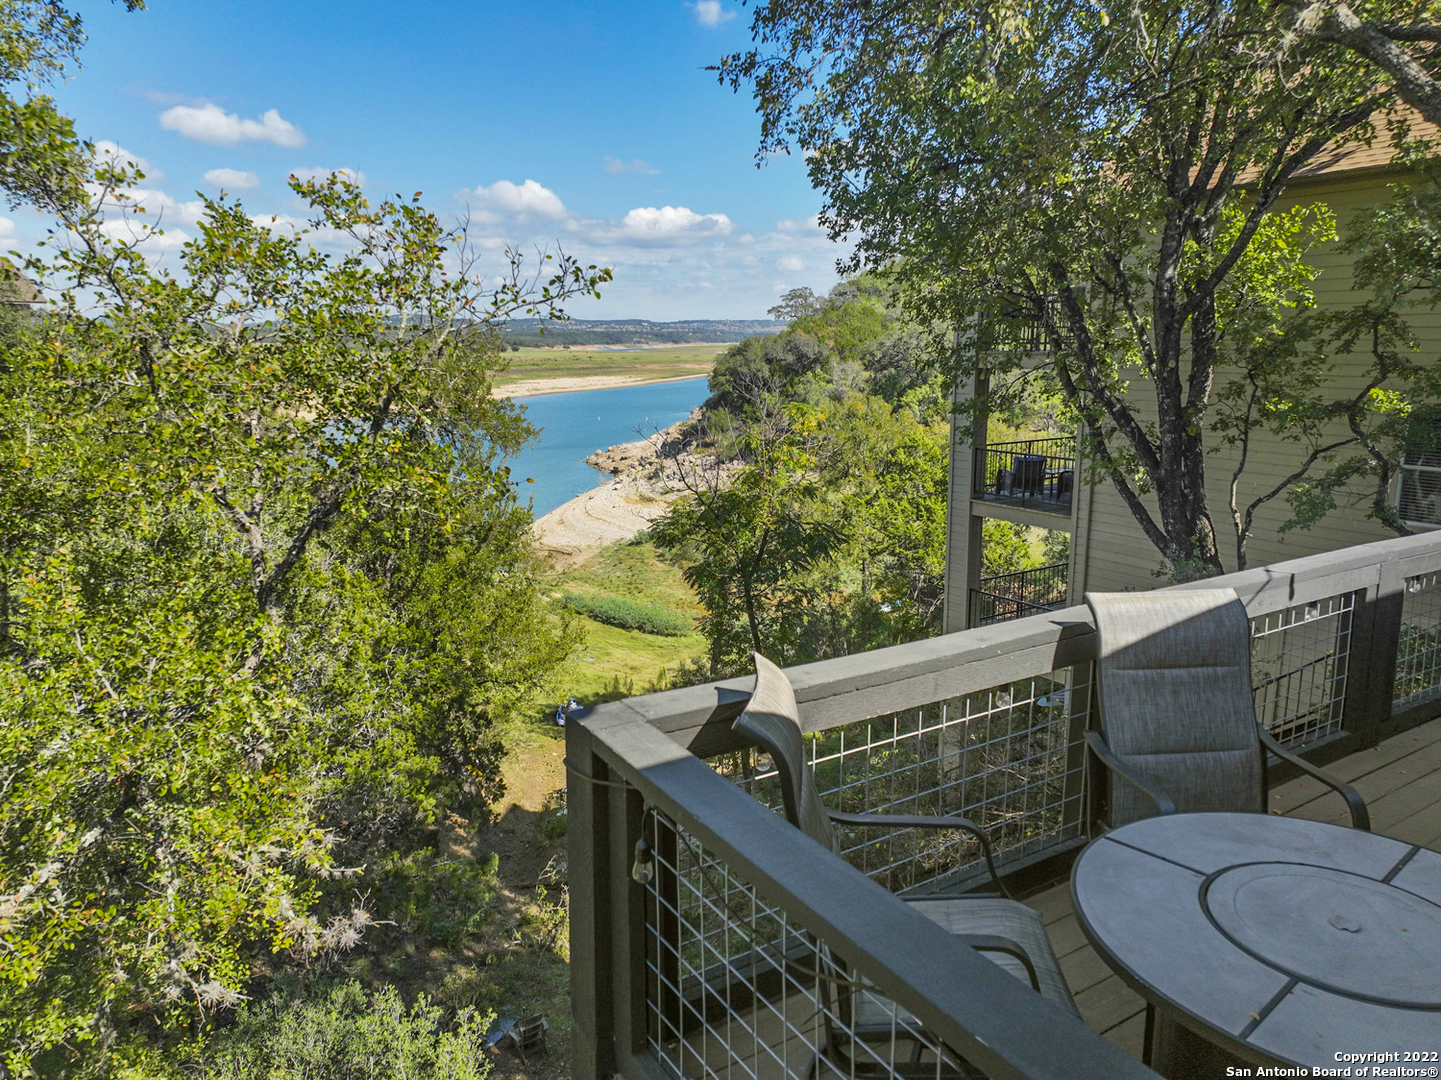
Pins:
x,y
1279,938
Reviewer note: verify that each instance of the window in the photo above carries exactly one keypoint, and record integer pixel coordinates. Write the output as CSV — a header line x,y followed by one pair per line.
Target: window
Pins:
x,y
1418,495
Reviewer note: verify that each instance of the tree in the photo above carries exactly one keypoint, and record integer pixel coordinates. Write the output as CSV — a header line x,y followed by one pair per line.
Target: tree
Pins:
x,y
794,304
1403,40
753,535
266,592
1398,257
1113,182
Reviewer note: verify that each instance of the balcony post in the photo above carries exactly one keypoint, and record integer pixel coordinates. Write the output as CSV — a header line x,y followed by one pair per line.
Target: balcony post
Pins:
x,y
589,875
1375,622
627,929
963,529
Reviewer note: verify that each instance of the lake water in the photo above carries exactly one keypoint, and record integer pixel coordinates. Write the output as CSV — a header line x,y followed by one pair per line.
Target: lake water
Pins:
x,y
574,426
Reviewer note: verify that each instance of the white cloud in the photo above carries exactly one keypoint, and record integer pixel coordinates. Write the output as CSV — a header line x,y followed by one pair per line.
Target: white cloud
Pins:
x,y
355,176
517,200
710,13
791,263
117,157
799,224
232,179
164,206
635,165
666,225
210,123
7,229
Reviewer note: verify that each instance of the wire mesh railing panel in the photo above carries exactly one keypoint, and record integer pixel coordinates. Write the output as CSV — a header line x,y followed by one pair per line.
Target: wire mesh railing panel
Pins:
x,y
1007,758
1418,650
735,990
1030,325
1299,663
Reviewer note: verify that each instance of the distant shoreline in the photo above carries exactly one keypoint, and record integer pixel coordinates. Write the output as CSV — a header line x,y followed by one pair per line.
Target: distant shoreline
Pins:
x,y
572,384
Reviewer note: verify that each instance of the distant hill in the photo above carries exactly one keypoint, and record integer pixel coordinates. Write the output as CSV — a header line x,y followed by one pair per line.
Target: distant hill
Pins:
x,y
634,331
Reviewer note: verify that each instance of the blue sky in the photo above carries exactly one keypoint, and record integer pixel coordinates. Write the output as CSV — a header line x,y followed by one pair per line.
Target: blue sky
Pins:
x,y
592,125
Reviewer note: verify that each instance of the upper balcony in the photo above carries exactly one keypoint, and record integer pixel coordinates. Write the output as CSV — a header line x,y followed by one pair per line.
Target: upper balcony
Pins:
x,y
1025,326
703,925
1036,474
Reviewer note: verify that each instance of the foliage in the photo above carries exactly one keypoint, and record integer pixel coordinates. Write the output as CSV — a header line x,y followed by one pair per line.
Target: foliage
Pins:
x,y
1111,182
795,304
265,595
1399,39
339,1031
851,395
440,899
854,339
753,537
629,614
1398,258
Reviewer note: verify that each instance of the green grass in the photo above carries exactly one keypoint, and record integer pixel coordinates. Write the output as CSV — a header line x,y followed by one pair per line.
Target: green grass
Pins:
x,y
669,362
629,614
615,663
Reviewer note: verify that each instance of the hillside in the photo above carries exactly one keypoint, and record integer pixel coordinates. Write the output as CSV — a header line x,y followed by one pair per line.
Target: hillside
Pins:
x,y
633,331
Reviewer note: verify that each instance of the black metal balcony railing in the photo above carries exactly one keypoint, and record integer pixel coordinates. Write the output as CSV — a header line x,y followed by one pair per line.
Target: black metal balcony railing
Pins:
x,y
1022,328
1018,594
706,931
1036,473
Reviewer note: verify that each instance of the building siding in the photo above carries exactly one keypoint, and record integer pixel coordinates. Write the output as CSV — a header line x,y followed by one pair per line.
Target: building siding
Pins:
x,y
1114,554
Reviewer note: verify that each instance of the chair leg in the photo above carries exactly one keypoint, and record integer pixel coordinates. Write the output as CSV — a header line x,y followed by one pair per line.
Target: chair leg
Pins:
x,y
1149,1038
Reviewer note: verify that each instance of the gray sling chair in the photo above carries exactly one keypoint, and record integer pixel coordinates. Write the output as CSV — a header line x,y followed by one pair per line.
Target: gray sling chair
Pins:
x,y
1173,672
1001,929
1174,675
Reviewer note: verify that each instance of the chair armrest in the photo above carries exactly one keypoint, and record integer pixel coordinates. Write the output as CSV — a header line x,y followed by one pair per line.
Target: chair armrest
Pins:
x,y
914,821
1360,816
996,943
1098,746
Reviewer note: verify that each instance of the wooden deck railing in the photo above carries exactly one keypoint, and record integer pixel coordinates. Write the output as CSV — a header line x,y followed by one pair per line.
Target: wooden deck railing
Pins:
x,y
701,921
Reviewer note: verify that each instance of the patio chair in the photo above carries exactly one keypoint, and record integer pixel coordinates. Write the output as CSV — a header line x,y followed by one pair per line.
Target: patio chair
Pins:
x,y
1001,929
1029,473
1179,721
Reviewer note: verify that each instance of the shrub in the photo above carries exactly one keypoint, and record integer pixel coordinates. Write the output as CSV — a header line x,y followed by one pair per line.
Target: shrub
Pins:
x,y
340,1031
630,615
442,899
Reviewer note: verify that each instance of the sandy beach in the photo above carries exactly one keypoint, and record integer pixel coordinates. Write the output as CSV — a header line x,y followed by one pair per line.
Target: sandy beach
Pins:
x,y
617,510
643,484
530,387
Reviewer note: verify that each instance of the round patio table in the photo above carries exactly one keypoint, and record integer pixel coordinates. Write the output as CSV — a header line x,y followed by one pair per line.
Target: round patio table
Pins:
x,y
1277,939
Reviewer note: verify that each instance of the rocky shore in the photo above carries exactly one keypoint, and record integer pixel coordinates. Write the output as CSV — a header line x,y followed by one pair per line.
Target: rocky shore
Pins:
x,y
647,476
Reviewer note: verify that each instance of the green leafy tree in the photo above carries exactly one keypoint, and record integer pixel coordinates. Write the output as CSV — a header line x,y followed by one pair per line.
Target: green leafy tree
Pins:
x,y
794,304
266,593
1114,182
1402,40
754,535
1398,258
